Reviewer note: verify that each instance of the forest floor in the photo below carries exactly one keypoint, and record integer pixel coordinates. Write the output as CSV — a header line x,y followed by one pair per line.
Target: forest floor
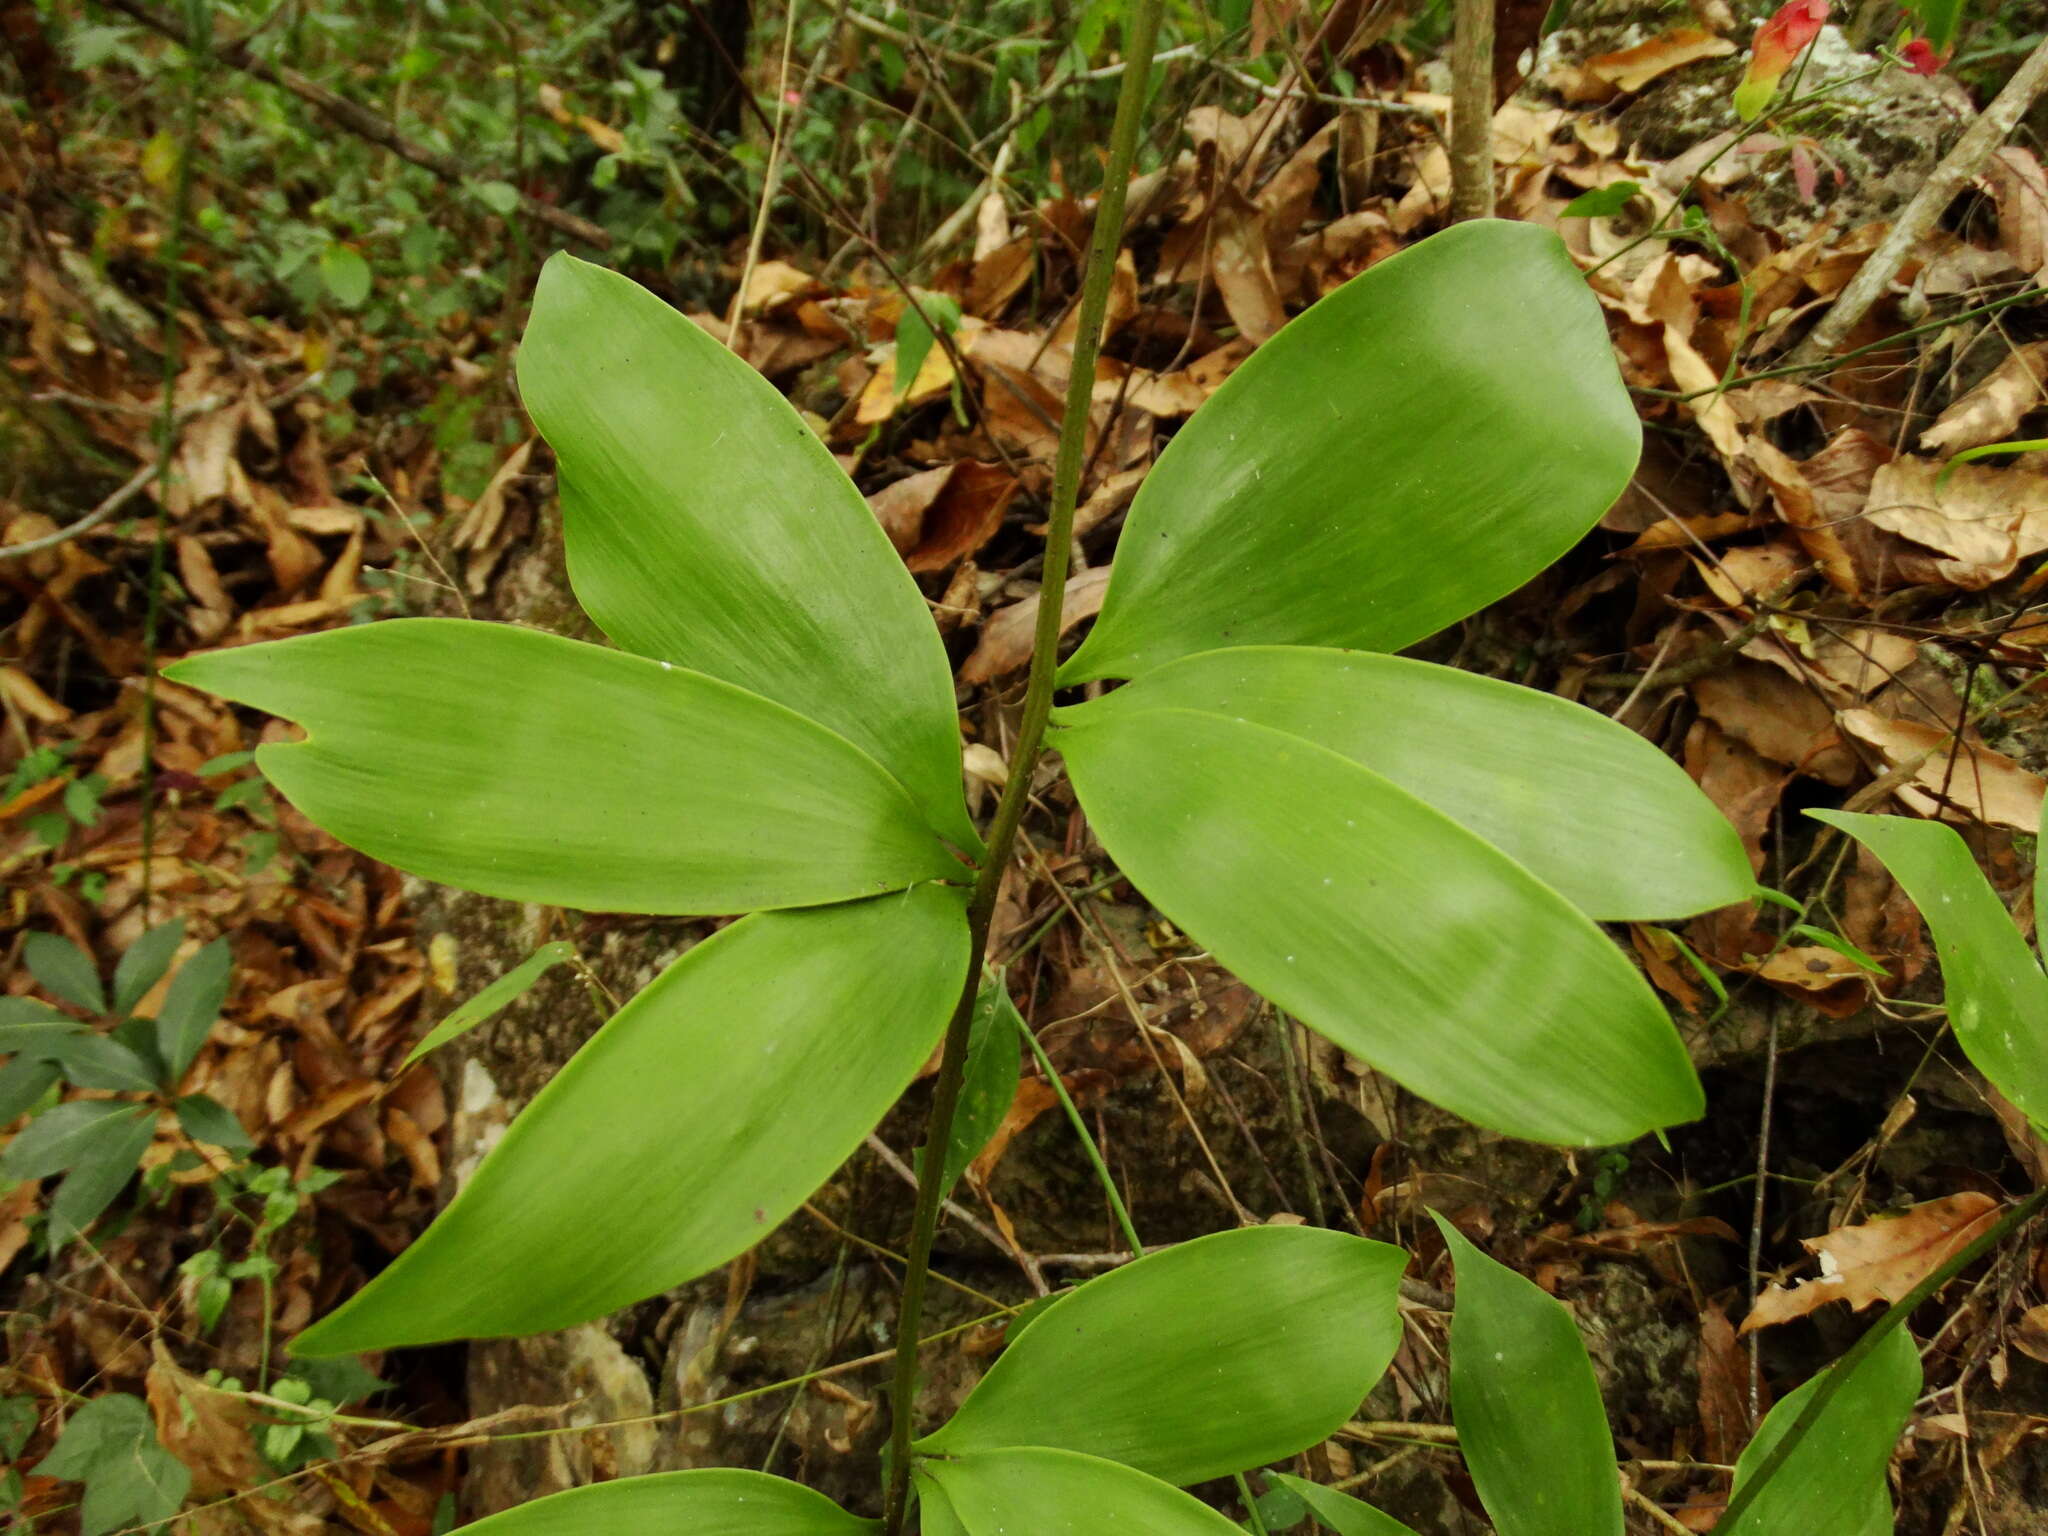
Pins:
x,y
1802,597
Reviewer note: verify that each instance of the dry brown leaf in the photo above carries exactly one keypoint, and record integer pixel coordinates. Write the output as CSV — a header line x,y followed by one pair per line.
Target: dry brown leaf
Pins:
x,y
2020,189
1665,966
1988,785
1034,1098
1242,265
1000,275
1773,715
1724,1391
1006,637
775,284
1984,520
1881,1259
1630,69
1819,978
1991,412
2032,1334
1798,503
213,1434
938,515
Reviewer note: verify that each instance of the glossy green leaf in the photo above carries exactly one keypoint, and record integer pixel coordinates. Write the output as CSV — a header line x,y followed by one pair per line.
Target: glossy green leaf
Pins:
x,y
1834,1480
1062,1493
61,1137
1419,443
1997,995
63,968
713,1501
495,998
935,1516
101,1170
144,962
192,1005
1340,1511
523,765
1384,925
667,1145
708,526
1526,1405
1211,1357
1587,806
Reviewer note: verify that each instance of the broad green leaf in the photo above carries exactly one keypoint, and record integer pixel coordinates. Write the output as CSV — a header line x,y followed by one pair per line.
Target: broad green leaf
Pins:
x,y
1939,20
101,1170
495,998
1384,925
699,1117
1419,443
94,1061
1211,1357
1997,996
110,1445
65,969
144,962
1340,1511
708,526
346,276
1062,1493
994,1063
712,1501
27,1010
935,1516
38,1037
1834,1480
1587,806
523,765
192,1005
1601,202
208,1120
1526,1405
62,1136
23,1082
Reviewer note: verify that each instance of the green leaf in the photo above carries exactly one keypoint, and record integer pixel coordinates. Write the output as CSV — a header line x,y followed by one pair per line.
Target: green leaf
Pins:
x,y
1340,1511
101,1170
1834,1480
192,1004
130,1479
501,197
63,968
94,1061
1838,944
1527,1408
1587,806
1939,21
23,1082
709,1502
935,1516
144,962
17,1424
345,275
1214,1356
1383,925
62,1136
1062,1493
706,525
38,1036
495,998
666,1145
1419,443
1997,996
1600,203
209,1121
995,1059
519,764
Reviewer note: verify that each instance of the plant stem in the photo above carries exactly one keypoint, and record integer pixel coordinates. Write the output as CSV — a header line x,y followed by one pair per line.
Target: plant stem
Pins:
x,y
1873,1336
1142,29
1121,1211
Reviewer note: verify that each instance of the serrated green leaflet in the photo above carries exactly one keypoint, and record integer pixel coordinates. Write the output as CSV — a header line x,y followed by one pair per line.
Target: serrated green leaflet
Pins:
x,y
1062,1493
1340,1511
1417,444
1217,1355
1526,1405
582,1208
708,526
522,765
1834,1480
1997,996
710,1502
1384,925
1587,806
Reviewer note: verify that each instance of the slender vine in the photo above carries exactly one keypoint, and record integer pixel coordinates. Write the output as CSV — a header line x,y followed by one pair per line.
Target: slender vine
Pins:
x,y
1143,29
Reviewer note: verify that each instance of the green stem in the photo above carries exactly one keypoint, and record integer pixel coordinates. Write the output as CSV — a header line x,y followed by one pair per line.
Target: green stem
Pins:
x,y
1059,1091
1844,1368
1143,28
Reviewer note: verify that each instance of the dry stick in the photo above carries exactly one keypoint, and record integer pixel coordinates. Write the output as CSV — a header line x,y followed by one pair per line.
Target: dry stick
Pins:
x,y
1142,27
365,124
1472,111
1958,167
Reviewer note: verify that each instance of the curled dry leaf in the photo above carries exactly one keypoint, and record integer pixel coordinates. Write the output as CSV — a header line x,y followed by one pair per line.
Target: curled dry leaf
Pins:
x,y
1983,520
1630,69
1881,1259
1778,718
1991,412
1006,638
938,515
2020,189
1988,785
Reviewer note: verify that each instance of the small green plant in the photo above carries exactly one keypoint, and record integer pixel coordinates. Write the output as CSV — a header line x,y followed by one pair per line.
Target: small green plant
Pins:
x,y
110,1445
97,1143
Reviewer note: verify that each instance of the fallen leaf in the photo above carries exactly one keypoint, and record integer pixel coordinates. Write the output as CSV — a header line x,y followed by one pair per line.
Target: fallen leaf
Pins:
x,y
2032,1334
1988,785
1724,1388
2019,187
1991,412
1630,69
1006,637
1984,520
938,515
1778,718
1881,1259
